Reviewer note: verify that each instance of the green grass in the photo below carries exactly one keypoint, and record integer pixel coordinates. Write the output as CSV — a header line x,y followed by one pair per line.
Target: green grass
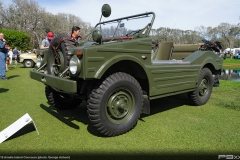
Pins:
x,y
174,127
227,96
231,62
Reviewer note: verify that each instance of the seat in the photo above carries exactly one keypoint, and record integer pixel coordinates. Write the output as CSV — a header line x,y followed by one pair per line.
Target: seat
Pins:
x,y
181,51
164,51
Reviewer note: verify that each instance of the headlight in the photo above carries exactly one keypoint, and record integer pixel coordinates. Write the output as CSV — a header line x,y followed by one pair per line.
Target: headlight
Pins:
x,y
39,61
75,65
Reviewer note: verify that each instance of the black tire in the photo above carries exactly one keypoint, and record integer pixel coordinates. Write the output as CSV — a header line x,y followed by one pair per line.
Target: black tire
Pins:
x,y
115,106
64,43
61,101
28,63
203,91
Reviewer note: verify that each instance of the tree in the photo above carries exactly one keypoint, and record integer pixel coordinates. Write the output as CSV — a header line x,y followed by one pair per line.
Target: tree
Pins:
x,y
223,30
176,35
27,16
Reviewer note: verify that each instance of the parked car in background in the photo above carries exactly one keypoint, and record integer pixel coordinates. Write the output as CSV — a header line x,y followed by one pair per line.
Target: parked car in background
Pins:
x,y
236,56
28,59
235,51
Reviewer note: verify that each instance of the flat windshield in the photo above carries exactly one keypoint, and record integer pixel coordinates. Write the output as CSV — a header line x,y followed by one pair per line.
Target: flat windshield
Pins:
x,y
126,26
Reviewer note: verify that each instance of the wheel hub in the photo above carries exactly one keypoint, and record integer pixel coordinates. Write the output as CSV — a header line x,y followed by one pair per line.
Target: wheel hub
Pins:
x,y
57,63
203,87
56,70
28,63
120,105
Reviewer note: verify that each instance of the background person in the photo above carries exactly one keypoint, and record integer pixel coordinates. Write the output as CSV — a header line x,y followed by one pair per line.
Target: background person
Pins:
x,y
46,42
7,63
3,52
10,54
7,56
16,54
76,33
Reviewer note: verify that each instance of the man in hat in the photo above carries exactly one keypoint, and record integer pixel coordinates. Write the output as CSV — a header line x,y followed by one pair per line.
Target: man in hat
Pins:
x,y
46,42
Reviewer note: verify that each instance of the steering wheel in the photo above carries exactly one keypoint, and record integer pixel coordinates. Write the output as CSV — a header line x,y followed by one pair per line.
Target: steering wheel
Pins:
x,y
131,33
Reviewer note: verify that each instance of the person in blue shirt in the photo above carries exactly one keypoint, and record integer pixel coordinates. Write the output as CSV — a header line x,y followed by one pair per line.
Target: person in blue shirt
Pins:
x,y
16,54
3,52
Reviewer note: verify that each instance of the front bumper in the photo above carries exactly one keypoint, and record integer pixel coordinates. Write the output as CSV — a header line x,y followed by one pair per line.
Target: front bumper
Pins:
x,y
65,85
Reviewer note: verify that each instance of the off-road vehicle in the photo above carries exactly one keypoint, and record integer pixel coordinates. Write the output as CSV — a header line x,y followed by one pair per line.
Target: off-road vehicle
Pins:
x,y
28,59
113,71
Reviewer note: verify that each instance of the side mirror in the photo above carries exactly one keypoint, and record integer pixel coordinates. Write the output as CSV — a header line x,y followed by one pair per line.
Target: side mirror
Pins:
x,y
106,10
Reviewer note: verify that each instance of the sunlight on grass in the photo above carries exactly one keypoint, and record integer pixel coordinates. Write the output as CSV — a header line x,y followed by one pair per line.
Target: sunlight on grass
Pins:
x,y
227,95
231,62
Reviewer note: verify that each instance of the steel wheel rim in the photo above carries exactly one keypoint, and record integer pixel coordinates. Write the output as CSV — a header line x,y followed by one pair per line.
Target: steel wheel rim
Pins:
x,y
204,87
120,106
28,63
55,67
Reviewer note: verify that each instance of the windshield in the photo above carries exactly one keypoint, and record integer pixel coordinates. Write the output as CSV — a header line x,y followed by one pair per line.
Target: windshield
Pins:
x,y
126,26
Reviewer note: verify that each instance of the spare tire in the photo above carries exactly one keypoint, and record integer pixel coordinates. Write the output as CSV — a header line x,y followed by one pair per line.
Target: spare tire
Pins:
x,y
58,57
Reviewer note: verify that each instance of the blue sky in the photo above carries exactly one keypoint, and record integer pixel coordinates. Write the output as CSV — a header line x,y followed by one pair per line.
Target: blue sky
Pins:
x,y
181,14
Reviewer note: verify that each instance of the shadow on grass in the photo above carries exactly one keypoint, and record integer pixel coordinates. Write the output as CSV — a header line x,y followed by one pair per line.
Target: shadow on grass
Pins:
x,y
11,67
80,113
66,116
3,90
22,66
167,103
10,77
25,130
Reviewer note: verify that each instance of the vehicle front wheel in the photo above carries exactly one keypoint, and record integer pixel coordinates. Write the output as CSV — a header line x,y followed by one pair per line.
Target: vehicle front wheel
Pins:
x,y
115,106
61,101
203,91
28,63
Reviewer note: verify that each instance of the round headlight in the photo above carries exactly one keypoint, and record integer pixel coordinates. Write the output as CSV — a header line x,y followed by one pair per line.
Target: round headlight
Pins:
x,y
74,65
39,61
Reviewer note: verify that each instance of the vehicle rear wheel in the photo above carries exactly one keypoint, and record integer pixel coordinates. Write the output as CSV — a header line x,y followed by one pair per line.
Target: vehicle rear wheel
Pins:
x,y
203,91
61,101
115,106
58,57
28,63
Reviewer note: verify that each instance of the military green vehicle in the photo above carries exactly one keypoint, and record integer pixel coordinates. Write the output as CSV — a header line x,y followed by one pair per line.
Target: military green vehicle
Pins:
x,y
116,75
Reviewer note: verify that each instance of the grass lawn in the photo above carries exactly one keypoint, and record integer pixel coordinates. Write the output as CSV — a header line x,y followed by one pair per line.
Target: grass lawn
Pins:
x,y
174,126
230,62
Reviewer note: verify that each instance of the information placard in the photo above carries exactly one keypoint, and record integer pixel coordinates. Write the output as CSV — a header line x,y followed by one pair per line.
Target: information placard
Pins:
x,y
16,126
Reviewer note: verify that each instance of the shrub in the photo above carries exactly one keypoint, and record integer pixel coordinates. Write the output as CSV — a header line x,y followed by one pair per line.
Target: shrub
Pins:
x,y
16,39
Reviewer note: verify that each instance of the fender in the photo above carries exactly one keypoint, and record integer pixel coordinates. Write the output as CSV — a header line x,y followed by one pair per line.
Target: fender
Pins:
x,y
198,57
214,61
116,59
